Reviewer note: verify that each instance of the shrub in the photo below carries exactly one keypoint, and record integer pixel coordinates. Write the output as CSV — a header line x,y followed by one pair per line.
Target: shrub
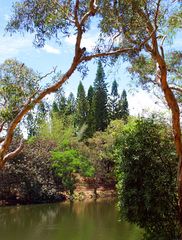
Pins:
x,y
146,172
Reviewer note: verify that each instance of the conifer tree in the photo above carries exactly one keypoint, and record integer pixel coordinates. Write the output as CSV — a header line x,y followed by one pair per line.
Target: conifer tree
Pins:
x,y
31,125
90,116
123,111
100,100
60,103
35,118
81,107
42,110
55,107
114,101
71,104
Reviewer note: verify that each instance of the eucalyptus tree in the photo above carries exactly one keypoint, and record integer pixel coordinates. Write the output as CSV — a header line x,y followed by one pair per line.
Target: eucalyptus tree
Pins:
x,y
129,28
18,85
151,23
47,19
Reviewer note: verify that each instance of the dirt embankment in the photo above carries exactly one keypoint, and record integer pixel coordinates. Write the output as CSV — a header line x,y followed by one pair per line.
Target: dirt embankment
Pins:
x,y
91,188
86,189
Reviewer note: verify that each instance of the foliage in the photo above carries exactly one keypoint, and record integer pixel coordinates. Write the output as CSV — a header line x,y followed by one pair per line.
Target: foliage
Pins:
x,y
118,105
99,151
58,129
147,178
35,118
66,164
100,100
17,84
29,177
113,101
45,18
90,117
123,111
31,125
81,107
71,104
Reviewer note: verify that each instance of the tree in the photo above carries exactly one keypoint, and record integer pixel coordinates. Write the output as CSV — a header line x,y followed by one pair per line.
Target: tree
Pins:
x,y
139,25
71,104
66,164
100,100
113,101
55,107
149,22
31,125
18,85
123,111
81,107
47,19
90,117
146,174
29,177
35,118
42,110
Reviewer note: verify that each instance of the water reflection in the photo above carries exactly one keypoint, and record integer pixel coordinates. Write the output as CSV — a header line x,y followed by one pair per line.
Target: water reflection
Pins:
x,y
65,221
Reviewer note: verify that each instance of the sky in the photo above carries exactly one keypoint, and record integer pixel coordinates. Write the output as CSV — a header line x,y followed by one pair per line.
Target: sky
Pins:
x,y
52,55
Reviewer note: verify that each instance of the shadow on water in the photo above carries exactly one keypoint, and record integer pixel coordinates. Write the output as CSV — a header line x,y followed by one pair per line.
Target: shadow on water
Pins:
x,y
65,221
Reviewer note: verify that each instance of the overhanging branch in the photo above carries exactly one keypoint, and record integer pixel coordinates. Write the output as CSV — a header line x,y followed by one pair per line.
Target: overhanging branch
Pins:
x,y
14,153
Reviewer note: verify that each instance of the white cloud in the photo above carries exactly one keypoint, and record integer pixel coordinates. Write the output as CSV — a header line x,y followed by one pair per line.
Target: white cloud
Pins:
x,y
49,49
142,103
11,46
87,41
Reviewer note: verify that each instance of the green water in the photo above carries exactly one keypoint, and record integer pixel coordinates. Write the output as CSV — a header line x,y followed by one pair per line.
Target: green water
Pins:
x,y
65,221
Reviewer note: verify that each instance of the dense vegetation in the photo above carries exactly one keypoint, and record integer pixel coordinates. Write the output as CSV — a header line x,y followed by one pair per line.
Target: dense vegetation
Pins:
x,y
137,154
74,144
146,171
90,135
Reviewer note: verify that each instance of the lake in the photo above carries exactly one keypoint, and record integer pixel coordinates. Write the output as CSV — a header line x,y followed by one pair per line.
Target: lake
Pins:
x,y
65,221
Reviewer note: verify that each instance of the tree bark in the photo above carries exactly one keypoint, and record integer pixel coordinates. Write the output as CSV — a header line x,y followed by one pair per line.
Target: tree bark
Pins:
x,y
175,111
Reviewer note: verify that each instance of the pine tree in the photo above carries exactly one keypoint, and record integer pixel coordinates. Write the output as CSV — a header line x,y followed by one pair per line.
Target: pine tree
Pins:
x,y
90,116
42,110
81,107
100,100
55,107
31,125
123,111
35,118
71,104
60,103
113,101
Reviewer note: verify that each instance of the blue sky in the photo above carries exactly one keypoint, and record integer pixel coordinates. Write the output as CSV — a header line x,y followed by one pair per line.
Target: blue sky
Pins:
x,y
52,55
44,59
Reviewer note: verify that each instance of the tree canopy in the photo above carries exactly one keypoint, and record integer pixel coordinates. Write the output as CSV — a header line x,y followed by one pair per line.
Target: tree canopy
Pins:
x,y
136,29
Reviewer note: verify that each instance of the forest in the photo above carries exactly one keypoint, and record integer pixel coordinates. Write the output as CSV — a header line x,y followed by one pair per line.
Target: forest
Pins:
x,y
86,145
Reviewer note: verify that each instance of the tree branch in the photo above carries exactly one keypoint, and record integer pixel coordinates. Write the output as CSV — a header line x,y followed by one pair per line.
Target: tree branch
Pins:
x,y
157,13
105,54
2,125
14,153
176,88
91,12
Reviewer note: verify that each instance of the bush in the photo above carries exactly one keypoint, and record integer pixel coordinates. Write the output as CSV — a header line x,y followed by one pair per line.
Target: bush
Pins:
x,y
146,173
67,163
29,178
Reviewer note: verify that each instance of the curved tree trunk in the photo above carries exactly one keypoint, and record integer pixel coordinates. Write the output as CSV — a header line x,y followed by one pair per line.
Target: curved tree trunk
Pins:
x,y
175,111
